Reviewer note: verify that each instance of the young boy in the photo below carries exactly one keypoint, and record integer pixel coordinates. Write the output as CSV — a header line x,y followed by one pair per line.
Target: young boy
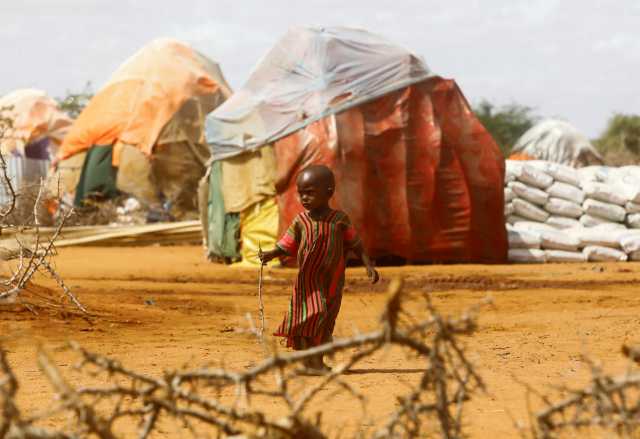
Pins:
x,y
320,238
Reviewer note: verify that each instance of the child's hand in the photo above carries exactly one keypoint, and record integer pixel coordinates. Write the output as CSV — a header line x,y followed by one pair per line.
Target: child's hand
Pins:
x,y
374,277
262,256
266,256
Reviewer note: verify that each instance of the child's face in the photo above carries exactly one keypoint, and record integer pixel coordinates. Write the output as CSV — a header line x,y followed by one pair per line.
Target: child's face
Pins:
x,y
313,194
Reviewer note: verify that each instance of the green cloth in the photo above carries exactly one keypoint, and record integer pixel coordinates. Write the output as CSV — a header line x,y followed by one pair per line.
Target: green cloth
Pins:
x,y
98,176
224,228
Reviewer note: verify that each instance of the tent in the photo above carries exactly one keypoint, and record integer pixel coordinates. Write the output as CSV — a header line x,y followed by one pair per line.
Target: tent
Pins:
x,y
142,133
417,173
556,141
36,129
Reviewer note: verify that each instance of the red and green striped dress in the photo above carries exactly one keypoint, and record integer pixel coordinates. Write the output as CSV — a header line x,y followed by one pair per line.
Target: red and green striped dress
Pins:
x,y
320,246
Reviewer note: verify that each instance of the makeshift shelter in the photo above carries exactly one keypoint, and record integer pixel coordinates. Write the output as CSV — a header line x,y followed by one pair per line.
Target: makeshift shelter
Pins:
x,y
417,173
37,127
142,133
556,141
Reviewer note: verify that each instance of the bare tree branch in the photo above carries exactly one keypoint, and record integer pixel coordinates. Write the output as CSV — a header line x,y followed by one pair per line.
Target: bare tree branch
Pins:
x,y
606,404
224,403
33,254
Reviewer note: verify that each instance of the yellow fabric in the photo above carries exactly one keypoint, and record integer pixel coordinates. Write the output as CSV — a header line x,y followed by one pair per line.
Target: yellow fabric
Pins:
x,y
134,175
258,226
33,115
143,95
248,179
65,177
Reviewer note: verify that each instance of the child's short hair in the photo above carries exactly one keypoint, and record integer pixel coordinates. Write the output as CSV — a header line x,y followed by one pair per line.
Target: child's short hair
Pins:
x,y
321,173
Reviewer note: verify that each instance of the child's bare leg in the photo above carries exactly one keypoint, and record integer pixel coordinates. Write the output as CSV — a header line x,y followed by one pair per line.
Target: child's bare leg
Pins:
x,y
316,362
319,364
300,344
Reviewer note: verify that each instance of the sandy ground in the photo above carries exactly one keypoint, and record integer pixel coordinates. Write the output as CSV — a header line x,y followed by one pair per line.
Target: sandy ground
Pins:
x,y
162,308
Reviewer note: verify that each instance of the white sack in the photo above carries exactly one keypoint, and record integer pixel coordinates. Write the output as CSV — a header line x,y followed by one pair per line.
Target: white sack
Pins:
x,y
564,256
633,220
527,255
557,240
540,165
608,211
535,177
609,226
528,210
604,192
606,174
508,195
523,239
601,238
564,174
632,207
515,219
588,173
531,194
628,180
566,192
632,171
630,192
561,222
532,226
508,209
594,253
512,169
630,242
562,207
592,221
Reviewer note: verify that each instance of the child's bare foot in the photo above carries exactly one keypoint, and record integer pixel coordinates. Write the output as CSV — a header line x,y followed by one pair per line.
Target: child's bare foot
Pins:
x,y
323,366
316,366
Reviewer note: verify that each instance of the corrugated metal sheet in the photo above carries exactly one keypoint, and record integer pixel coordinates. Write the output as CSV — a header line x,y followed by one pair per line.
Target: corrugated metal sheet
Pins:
x,y
23,172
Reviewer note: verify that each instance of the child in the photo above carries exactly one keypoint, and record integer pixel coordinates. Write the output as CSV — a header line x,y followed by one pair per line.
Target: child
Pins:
x,y
320,238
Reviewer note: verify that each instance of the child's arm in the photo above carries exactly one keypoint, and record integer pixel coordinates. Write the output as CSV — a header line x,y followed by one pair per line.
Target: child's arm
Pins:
x,y
371,271
269,255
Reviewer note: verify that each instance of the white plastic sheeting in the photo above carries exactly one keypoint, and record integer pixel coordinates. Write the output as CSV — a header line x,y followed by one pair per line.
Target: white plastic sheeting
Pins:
x,y
309,74
557,141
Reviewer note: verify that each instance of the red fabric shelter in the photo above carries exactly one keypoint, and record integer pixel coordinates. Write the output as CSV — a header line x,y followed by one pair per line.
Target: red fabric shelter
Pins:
x,y
417,173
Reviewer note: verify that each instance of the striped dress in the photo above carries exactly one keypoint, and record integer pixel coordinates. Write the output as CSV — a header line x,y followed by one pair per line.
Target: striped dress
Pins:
x,y
320,247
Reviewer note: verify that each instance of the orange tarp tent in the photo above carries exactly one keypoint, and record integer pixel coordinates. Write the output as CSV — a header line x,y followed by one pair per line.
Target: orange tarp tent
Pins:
x,y
142,96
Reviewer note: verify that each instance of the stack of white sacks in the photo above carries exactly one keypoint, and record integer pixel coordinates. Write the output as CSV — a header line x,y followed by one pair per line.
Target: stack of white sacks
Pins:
x,y
556,213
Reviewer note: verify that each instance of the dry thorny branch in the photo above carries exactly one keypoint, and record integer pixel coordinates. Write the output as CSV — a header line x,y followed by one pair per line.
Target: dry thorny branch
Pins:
x,y
607,404
274,399
32,256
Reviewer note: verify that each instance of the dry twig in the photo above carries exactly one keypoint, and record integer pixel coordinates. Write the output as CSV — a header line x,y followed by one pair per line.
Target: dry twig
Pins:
x,y
32,256
607,403
223,403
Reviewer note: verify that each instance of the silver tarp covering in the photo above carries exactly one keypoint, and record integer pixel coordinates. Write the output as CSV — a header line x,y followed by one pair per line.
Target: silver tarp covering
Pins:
x,y
557,141
309,74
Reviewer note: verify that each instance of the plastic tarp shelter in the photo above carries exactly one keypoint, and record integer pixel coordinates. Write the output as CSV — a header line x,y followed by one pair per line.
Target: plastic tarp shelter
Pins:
x,y
37,129
154,105
144,94
416,171
34,116
556,141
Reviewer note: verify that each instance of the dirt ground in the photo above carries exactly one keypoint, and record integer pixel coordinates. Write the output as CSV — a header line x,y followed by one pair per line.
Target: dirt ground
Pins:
x,y
162,308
